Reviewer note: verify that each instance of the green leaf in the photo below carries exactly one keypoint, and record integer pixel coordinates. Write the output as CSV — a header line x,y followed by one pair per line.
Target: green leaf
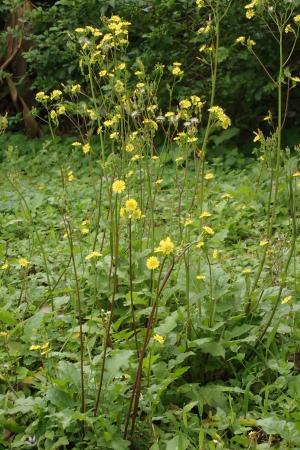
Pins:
x,y
7,317
179,442
208,346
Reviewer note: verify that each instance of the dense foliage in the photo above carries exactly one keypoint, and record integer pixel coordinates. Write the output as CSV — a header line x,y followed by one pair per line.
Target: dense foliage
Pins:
x,y
162,31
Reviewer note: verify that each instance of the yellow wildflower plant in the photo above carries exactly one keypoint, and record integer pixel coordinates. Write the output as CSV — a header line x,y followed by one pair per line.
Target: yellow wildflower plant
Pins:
x,y
152,263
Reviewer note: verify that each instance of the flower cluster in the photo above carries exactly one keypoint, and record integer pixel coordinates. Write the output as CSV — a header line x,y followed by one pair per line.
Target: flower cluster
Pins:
x,y
222,119
131,210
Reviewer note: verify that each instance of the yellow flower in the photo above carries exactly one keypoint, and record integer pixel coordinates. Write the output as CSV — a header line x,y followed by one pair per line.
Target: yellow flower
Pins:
x,y
55,94
176,71
86,148
4,333
118,186
185,104
268,117
200,3
200,244
154,158
288,29
76,144
35,347
180,158
131,204
257,136
41,96
286,300
150,123
158,338
166,246
208,230
264,242
158,182
296,174
215,254
23,262
205,214
297,19
75,88
4,266
246,271
200,277
152,263
129,147
70,175
53,114
137,214
61,110
84,230
226,195
250,13
240,40
93,255
220,115
295,79
209,176
188,222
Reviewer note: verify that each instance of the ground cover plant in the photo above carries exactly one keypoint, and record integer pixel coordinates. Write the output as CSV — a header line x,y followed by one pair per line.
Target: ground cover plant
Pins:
x,y
149,288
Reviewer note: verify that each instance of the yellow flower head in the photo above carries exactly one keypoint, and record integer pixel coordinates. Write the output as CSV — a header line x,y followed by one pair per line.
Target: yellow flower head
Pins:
x,y
118,186
93,255
246,271
152,263
158,338
208,230
4,266
297,19
240,40
286,300
166,246
264,242
23,262
205,214
200,244
56,94
250,13
70,175
209,176
200,277
185,104
130,205
177,71
296,174
86,148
